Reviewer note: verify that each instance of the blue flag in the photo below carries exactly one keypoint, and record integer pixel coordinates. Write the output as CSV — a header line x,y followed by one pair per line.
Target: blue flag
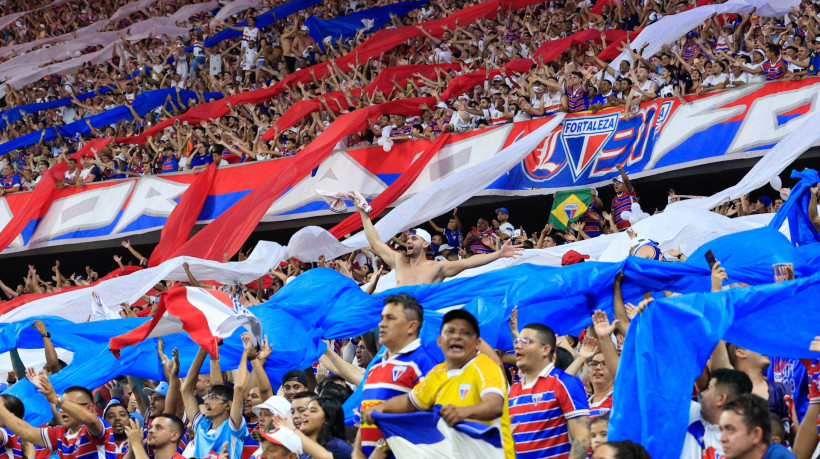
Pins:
x,y
371,20
795,209
263,20
143,104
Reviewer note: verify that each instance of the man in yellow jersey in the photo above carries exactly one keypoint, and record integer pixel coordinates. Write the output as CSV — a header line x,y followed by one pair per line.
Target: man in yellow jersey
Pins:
x,y
467,385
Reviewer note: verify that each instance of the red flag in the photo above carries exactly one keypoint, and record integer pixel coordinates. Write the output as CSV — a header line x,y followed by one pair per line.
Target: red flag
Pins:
x,y
394,191
184,216
206,315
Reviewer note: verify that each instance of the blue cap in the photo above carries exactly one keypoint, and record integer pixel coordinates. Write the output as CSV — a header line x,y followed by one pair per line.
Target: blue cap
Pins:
x,y
161,389
502,209
198,28
138,417
767,201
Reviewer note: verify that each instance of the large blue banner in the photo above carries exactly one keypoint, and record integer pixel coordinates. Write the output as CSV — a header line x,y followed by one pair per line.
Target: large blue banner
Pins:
x,y
348,26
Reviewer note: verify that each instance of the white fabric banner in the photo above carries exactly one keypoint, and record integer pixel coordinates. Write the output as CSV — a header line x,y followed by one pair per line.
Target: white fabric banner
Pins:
x,y
76,304
671,28
33,66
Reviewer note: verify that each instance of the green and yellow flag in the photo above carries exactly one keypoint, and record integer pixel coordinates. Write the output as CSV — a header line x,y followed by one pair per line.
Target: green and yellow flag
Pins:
x,y
568,207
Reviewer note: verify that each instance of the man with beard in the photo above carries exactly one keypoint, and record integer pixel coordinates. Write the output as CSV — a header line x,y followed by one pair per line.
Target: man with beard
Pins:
x,y
413,268
163,437
116,415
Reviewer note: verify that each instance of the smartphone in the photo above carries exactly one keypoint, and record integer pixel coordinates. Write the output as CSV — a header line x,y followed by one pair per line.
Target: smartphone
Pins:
x,y
710,258
783,272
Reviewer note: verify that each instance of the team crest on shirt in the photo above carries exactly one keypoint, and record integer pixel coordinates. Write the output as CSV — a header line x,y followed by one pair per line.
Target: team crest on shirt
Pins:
x,y
536,399
398,371
464,390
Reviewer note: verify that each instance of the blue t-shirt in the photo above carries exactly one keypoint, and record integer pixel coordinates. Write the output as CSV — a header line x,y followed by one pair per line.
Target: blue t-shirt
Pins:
x,y
454,238
10,181
814,63
208,441
201,160
339,448
777,451
792,374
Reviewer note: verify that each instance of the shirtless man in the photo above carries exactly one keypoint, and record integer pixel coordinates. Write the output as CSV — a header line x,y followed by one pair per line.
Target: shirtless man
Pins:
x,y
413,268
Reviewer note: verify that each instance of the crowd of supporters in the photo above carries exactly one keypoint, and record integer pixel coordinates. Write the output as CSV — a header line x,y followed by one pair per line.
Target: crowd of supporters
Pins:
x,y
747,402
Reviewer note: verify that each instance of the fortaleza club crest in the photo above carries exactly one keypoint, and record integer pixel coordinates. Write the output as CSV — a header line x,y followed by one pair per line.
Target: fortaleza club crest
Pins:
x,y
571,209
584,138
578,142
398,371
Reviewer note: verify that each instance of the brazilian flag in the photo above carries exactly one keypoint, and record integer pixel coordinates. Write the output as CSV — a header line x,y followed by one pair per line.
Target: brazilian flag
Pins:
x,y
568,207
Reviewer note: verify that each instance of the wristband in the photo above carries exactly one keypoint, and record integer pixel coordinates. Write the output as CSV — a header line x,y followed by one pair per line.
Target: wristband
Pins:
x,y
47,335
60,400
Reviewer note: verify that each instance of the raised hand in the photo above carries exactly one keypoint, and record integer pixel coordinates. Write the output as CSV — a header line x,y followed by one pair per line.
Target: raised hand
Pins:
x,y
589,346
602,326
514,321
510,251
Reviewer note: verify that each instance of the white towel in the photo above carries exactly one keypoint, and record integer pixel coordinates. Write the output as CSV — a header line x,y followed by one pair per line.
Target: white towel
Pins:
x,y
336,200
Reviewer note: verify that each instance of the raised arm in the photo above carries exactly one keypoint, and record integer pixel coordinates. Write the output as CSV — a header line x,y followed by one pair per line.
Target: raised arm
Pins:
x,y
379,248
189,385
89,419
241,382
452,268
621,318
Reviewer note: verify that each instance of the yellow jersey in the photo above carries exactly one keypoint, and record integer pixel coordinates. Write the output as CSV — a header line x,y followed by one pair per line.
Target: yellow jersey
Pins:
x,y
466,386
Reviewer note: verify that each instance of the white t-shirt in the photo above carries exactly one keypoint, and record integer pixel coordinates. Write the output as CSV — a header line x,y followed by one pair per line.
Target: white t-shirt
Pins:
x,y
711,437
249,34
215,65
714,80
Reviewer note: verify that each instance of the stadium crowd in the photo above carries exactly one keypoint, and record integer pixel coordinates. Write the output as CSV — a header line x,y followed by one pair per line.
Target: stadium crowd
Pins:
x,y
748,405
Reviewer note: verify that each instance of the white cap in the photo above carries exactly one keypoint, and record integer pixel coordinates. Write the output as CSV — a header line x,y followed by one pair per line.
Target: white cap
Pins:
x,y
276,404
444,247
422,234
281,436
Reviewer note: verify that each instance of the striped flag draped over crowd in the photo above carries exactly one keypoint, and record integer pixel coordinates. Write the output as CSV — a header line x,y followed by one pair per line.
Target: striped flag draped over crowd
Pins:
x,y
206,315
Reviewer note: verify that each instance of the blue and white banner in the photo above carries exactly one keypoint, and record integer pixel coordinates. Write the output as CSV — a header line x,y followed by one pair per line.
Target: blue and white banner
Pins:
x,y
143,104
425,434
348,26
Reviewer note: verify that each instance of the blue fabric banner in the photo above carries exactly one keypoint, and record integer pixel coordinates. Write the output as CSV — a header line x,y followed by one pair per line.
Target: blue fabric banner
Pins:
x,y
795,209
324,304
14,114
370,20
143,104
263,20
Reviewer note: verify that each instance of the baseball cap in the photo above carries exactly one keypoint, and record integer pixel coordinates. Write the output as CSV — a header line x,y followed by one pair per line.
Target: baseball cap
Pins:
x,y
441,105
444,247
281,436
276,404
295,375
422,234
618,179
767,201
498,78
572,257
502,209
161,389
461,314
